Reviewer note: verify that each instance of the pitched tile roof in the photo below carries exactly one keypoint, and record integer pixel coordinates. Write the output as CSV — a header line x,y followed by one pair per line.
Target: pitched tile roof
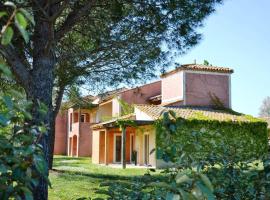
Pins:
x,y
156,111
199,67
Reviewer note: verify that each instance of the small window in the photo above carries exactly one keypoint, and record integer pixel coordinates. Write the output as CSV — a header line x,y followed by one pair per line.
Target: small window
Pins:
x,y
83,117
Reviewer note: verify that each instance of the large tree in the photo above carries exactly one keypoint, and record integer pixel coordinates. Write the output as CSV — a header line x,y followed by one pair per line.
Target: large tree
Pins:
x,y
98,41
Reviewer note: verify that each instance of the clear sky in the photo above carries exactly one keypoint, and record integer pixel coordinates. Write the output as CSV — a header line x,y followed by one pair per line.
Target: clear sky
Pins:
x,y
237,35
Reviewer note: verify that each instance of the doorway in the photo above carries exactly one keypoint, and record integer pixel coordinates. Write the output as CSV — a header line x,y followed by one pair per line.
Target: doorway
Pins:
x,y
146,149
117,148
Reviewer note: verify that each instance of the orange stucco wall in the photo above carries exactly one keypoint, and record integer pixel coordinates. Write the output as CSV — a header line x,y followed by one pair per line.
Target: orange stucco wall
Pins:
x,y
85,140
60,145
140,95
172,87
199,87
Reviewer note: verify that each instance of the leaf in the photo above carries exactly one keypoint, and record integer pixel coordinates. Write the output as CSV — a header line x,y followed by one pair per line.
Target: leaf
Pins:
x,y
3,13
3,169
182,178
3,120
206,191
9,3
8,102
207,182
7,36
21,28
40,164
171,196
27,193
19,17
4,68
184,194
27,15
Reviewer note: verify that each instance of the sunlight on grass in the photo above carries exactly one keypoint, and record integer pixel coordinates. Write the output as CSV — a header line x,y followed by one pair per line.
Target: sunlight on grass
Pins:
x,y
78,178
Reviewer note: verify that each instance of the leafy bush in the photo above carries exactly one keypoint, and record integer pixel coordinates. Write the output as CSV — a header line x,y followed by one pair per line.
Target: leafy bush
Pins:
x,y
231,154
21,160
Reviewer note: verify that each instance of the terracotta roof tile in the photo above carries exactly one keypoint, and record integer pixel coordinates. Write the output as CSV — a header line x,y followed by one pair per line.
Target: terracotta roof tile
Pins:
x,y
199,67
156,112
125,117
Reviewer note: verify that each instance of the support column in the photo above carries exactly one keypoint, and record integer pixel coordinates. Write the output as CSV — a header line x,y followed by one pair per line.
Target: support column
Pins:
x,y
123,148
106,147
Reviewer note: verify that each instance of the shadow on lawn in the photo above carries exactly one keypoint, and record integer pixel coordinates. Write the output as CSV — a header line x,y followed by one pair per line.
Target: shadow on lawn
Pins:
x,y
110,185
108,176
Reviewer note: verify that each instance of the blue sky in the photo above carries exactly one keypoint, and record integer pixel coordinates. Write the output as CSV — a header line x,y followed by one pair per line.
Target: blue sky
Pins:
x,y
237,35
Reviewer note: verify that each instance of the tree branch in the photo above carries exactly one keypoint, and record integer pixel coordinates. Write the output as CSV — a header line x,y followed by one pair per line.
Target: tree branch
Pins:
x,y
17,67
58,100
72,19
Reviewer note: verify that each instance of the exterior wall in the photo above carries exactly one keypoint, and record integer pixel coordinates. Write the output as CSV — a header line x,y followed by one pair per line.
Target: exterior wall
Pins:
x,y
198,87
115,107
143,130
95,147
111,147
85,140
104,111
103,145
140,95
172,88
60,144
82,130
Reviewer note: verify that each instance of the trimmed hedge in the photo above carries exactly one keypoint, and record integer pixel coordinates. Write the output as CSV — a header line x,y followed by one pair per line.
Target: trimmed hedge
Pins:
x,y
206,139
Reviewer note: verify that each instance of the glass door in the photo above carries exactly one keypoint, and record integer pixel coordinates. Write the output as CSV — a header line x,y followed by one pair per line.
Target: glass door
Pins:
x,y
118,145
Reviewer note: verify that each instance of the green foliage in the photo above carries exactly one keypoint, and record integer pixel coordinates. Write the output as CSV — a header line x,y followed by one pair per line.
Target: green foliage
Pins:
x,y
20,17
22,163
126,108
229,153
21,159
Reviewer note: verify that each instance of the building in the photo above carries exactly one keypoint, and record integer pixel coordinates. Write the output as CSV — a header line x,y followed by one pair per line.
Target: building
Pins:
x,y
95,131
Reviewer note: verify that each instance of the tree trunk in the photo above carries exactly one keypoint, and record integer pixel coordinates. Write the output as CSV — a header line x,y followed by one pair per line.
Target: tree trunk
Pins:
x,y
52,140
40,89
58,101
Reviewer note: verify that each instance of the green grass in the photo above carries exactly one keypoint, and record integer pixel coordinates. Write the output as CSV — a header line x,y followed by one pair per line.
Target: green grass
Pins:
x,y
78,178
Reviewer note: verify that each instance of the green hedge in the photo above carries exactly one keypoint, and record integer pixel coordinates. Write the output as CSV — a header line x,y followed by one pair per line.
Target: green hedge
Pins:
x,y
210,140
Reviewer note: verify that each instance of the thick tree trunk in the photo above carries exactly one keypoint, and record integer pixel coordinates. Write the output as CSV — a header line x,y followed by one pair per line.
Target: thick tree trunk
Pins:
x,y
40,88
40,91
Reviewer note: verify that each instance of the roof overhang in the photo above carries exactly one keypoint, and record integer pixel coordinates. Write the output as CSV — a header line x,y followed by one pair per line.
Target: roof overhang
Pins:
x,y
114,124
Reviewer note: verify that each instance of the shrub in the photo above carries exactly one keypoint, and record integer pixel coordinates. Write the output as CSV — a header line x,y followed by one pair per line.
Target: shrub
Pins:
x,y
21,158
230,153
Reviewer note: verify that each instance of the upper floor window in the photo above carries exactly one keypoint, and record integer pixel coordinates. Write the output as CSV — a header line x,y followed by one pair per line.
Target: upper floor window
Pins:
x,y
83,117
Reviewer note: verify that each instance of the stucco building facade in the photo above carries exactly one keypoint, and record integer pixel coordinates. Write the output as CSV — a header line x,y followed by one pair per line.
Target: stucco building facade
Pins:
x,y
94,132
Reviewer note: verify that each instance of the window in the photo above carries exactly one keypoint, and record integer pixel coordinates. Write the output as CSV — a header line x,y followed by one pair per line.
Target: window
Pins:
x,y
83,117
70,122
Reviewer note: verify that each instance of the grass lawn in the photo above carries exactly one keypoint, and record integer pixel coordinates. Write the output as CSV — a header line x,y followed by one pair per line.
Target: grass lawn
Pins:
x,y
78,178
